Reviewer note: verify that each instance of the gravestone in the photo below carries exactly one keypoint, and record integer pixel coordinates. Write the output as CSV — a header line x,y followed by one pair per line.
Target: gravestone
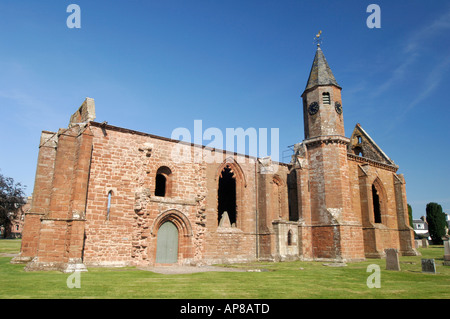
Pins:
x,y
418,243
392,261
428,266
447,252
424,243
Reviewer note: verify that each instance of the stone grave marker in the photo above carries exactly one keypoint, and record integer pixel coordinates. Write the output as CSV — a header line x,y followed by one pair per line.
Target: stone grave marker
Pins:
x,y
447,252
428,266
418,243
392,261
424,243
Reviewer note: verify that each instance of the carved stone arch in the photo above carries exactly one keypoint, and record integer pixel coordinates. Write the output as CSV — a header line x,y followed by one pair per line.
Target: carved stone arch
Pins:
x,y
170,165
236,168
175,216
183,225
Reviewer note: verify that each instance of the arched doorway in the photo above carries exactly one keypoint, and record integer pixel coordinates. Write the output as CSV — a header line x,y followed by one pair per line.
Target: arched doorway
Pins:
x,y
167,244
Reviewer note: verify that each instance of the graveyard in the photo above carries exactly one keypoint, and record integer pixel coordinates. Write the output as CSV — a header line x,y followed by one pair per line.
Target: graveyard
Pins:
x,y
259,280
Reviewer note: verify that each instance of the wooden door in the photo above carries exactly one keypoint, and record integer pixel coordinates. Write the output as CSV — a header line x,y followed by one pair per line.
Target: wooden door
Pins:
x,y
167,244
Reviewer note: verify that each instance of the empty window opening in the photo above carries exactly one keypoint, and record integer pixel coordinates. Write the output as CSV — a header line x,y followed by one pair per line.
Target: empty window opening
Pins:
x,y
108,206
359,139
292,196
160,189
227,195
358,151
289,238
376,205
326,98
163,182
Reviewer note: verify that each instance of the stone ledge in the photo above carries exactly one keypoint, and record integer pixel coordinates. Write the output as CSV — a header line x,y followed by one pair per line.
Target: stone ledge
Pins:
x,y
68,267
177,201
327,139
21,260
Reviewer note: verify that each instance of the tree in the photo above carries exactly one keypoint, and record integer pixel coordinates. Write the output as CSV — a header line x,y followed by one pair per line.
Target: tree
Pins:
x,y
12,197
436,222
410,216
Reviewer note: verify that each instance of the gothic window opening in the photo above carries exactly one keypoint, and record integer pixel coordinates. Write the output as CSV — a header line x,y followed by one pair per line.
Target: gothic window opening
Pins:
x,y
227,195
376,205
163,182
108,206
326,98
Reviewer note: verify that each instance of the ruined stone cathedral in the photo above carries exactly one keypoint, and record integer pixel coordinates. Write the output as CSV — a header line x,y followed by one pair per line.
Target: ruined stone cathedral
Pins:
x,y
111,196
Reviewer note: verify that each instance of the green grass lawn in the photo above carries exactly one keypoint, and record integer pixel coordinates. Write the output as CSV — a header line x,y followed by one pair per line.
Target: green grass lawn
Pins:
x,y
286,280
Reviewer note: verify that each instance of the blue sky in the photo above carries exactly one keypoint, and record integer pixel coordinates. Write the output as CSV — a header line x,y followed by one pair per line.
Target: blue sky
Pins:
x,y
153,66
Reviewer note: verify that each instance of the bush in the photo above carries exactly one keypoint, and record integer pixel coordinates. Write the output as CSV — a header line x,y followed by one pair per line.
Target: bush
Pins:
x,y
436,222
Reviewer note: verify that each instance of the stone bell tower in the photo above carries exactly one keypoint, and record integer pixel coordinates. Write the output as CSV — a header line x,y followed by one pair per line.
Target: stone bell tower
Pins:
x,y
336,231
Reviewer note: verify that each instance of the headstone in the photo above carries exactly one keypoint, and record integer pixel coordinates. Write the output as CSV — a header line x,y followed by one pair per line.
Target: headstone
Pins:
x,y
392,261
418,243
424,243
428,266
447,252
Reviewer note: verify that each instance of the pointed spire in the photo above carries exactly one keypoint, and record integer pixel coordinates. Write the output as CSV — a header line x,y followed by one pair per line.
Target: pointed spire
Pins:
x,y
320,72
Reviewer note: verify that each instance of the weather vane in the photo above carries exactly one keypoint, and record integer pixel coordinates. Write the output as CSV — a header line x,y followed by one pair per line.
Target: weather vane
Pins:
x,y
317,39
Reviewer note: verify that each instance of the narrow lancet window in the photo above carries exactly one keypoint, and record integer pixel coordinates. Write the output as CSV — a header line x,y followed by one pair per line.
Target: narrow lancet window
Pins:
x,y
289,238
108,207
160,189
376,205
163,182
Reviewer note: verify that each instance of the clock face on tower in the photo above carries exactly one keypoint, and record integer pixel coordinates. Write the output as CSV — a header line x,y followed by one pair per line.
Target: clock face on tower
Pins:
x,y
313,108
338,108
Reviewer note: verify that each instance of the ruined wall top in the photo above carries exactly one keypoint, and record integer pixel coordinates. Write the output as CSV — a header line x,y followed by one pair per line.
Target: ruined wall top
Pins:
x,y
85,113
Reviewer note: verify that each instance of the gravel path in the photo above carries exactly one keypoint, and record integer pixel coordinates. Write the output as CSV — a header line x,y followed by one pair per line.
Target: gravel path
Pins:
x,y
174,270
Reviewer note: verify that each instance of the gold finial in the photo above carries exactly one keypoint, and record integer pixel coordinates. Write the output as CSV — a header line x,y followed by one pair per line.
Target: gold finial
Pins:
x,y
317,39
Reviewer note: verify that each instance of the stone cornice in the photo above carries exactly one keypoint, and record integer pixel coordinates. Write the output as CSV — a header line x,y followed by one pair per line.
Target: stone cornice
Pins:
x,y
327,139
364,160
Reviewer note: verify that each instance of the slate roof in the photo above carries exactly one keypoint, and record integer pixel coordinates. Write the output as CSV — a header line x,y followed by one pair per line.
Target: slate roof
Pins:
x,y
419,221
320,73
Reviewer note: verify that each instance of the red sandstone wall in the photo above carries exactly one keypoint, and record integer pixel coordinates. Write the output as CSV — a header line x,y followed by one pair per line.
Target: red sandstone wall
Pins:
x,y
377,236
120,163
